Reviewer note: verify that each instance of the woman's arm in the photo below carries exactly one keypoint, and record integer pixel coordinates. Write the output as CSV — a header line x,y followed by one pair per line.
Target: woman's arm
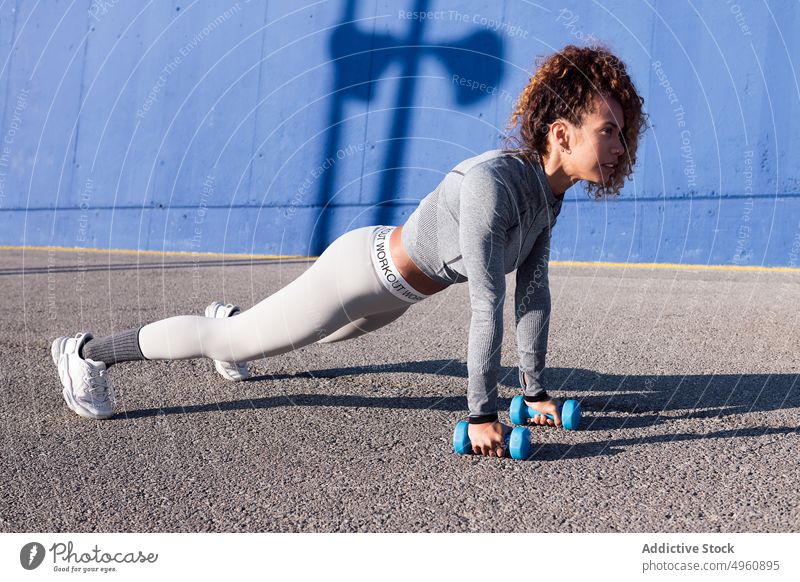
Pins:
x,y
484,210
532,311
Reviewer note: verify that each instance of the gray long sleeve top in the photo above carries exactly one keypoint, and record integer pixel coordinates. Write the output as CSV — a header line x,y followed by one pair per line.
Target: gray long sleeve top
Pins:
x,y
490,215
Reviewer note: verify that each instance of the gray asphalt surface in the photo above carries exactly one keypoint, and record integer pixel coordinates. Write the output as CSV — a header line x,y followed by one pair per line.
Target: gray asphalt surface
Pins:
x,y
688,380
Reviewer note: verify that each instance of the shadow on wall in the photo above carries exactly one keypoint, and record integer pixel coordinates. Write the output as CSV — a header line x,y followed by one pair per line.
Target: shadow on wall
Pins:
x,y
360,58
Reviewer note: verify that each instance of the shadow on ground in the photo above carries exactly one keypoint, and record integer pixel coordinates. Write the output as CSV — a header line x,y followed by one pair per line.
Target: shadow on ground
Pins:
x,y
628,402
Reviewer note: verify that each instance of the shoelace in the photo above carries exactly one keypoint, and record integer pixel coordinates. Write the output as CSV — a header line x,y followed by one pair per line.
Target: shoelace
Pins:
x,y
99,386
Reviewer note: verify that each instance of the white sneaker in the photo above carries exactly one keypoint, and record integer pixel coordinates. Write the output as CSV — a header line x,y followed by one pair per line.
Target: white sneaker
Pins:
x,y
233,371
87,389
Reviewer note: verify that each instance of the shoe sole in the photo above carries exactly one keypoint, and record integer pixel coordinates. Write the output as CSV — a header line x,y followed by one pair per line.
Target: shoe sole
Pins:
x,y
80,410
57,348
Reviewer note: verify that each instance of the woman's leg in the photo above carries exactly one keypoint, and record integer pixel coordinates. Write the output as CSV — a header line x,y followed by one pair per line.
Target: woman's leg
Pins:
x,y
340,288
351,289
363,325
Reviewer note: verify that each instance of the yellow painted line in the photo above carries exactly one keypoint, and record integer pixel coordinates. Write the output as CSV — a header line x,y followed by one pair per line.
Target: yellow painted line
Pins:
x,y
156,253
598,264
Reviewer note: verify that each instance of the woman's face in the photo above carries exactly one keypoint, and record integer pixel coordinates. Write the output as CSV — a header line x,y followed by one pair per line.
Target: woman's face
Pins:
x,y
596,146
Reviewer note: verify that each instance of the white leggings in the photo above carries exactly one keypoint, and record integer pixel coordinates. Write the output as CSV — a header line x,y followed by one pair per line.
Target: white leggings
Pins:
x,y
353,288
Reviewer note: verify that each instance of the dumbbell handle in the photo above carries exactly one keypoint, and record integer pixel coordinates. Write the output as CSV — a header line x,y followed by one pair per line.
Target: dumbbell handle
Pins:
x,y
533,412
569,411
506,439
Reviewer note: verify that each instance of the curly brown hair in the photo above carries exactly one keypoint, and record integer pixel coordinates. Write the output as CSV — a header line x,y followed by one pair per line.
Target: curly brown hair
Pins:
x,y
564,87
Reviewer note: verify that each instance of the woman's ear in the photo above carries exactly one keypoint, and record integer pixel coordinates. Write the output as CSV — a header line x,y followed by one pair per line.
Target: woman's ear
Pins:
x,y
559,135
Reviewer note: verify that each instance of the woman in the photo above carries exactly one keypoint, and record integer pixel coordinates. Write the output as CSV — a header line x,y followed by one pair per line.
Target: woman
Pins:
x,y
580,118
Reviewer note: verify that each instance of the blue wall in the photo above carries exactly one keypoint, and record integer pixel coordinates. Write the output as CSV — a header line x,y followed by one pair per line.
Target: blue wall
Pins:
x,y
273,127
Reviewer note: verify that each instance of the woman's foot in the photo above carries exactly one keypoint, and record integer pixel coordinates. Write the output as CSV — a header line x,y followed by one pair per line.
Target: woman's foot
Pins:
x,y
87,389
233,371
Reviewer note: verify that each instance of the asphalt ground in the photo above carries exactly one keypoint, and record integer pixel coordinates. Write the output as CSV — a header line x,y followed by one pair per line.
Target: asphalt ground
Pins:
x,y
688,380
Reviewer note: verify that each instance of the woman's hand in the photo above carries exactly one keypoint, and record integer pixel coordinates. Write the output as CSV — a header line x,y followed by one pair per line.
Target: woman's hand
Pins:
x,y
487,438
546,407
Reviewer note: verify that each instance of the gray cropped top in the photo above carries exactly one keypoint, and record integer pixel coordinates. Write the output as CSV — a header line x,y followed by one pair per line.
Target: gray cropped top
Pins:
x,y
490,215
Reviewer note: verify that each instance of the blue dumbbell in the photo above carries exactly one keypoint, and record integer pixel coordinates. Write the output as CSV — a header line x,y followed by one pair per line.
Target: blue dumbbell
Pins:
x,y
570,413
517,441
